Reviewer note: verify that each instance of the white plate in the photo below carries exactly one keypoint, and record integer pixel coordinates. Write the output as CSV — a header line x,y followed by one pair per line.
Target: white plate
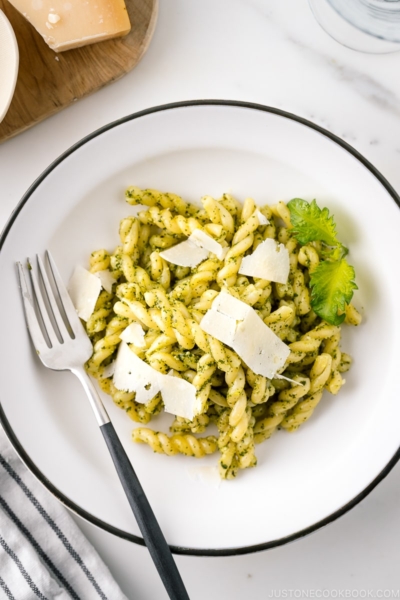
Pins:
x,y
9,59
302,480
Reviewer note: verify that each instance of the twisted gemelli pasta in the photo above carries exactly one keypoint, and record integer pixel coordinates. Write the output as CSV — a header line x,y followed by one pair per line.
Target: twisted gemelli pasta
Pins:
x,y
281,210
175,444
353,317
169,302
301,412
99,261
98,319
287,399
197,425
262,387
308,257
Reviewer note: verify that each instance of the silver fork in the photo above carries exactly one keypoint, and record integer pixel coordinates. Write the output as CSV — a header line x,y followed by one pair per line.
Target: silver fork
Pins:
x,y
63,345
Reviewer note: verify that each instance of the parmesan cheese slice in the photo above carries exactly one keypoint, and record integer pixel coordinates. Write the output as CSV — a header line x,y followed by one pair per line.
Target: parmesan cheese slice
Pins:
x,y
107,279
205,474
279,376
179,396
194,250
230,306
65,25
134,375
201,239
237,324
268,261
108,371
84,288
185,254
134,334
260,348
216,321
262,218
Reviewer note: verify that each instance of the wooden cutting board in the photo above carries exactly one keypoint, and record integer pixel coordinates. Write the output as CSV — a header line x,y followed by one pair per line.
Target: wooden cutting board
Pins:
x,y
48,82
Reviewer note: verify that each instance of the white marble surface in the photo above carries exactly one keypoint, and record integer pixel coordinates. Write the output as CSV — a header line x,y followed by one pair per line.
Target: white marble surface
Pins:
x,y
273,53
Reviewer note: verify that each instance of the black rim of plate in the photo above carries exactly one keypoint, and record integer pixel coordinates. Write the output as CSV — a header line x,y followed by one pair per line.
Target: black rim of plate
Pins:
x,y
18,446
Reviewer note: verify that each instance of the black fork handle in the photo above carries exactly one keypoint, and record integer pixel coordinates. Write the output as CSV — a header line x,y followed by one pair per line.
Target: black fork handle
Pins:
x,y
148,525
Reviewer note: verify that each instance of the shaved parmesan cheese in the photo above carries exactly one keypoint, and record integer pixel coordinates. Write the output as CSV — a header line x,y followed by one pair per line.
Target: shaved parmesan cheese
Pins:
x,y
133,375
230,306
84,289
237,325
179,396
205,474
107,279
268,261
216,321
279,376
134,334
194,250
259,347
185,254
201,239
262,218
108,371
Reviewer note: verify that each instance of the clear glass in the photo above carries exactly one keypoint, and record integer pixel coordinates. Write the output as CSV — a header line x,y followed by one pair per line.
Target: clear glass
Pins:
x,y
365,25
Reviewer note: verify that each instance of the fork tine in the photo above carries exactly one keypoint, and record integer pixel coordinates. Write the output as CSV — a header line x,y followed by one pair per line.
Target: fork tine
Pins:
x,y
31,319
52,335
52,301
69,308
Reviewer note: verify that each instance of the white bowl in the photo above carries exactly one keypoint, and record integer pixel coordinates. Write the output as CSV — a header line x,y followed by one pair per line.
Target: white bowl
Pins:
x,y
9,60
302,481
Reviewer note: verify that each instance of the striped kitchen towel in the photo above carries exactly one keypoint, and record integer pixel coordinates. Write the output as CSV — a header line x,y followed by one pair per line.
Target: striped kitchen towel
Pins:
x,y
43,554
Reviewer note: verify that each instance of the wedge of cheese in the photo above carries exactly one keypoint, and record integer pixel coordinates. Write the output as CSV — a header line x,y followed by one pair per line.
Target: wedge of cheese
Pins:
x,y
237,325
194,250
66,24
84,288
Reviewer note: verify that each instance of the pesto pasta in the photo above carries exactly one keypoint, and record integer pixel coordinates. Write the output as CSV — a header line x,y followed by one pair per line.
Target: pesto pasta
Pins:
x,y
169,302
